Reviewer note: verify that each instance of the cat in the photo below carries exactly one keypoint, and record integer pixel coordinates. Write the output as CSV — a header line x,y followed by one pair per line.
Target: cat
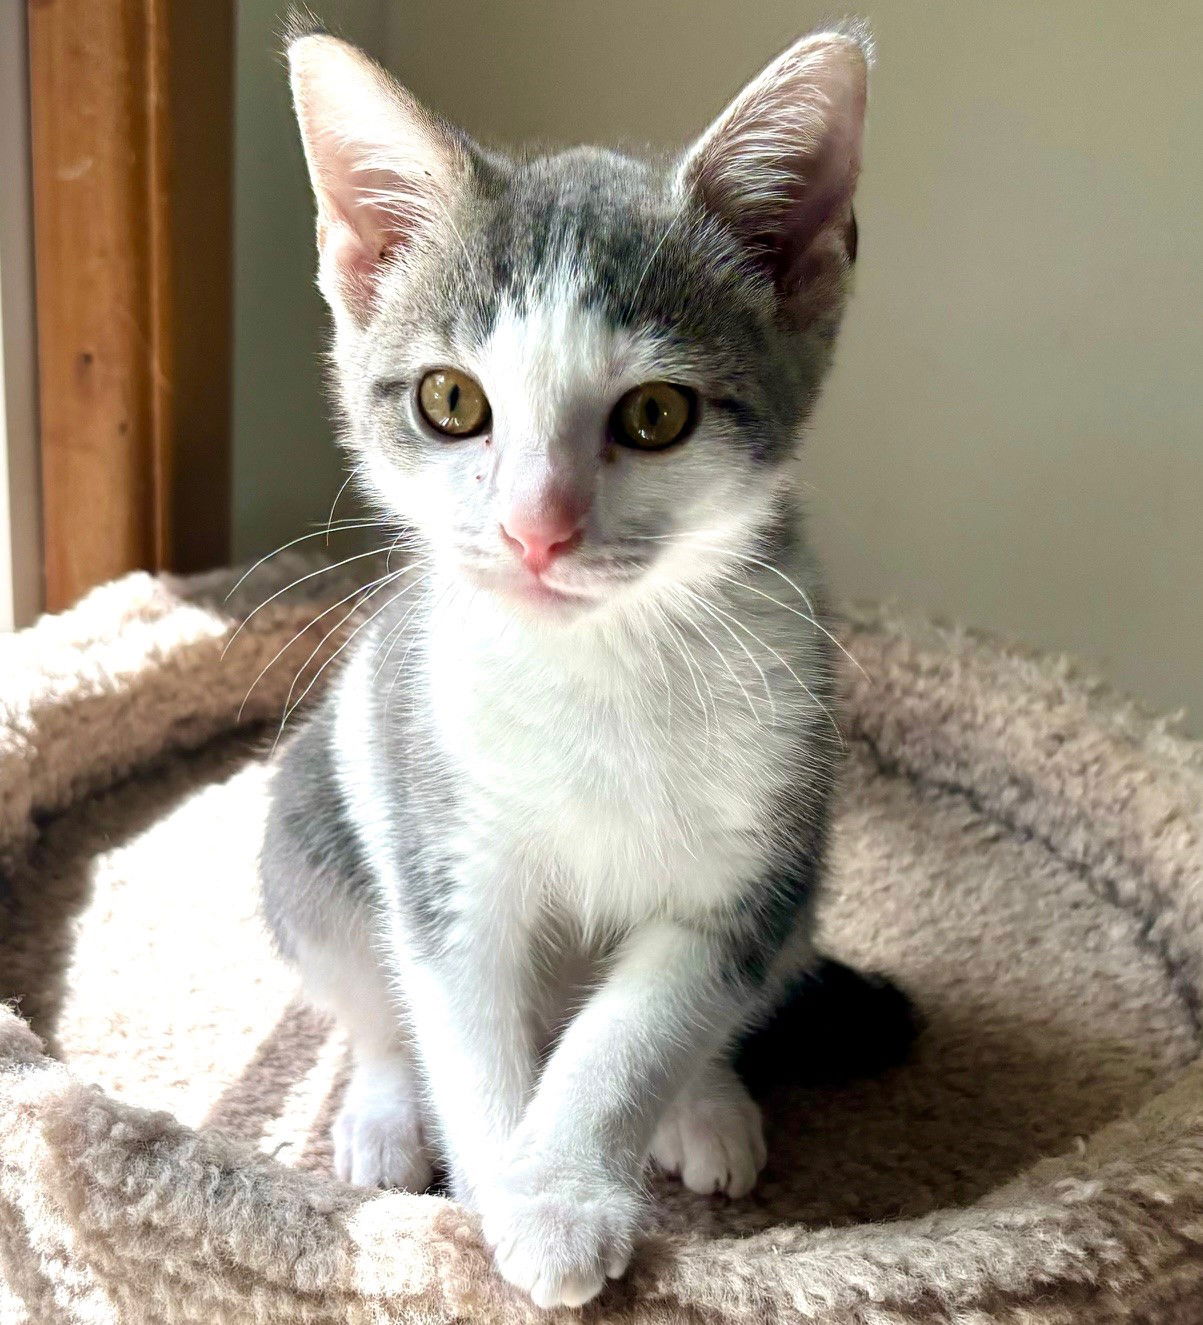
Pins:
x,y
550,846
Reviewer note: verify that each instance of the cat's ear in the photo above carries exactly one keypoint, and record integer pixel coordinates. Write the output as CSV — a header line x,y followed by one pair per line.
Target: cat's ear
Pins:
x,y
779,166
384,170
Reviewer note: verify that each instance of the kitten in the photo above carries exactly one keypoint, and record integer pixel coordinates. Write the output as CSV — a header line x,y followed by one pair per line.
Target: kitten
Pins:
x,y
550,846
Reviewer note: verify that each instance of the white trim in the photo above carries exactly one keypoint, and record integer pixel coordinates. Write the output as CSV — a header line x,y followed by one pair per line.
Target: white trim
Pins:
x,y
20,539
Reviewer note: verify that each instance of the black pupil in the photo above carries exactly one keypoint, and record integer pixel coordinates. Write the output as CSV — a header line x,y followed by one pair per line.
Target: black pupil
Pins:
x,y
652,412
453,399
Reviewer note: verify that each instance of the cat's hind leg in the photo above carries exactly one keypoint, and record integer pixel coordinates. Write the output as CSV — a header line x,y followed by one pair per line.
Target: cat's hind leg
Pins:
x,y
711,1135
833,1024
317,899
379,1134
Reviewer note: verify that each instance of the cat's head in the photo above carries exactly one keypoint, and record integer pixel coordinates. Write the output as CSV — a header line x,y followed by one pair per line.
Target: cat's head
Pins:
x,y
582,378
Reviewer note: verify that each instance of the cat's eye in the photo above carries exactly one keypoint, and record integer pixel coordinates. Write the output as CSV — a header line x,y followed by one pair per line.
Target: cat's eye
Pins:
x,y
453,403
654,415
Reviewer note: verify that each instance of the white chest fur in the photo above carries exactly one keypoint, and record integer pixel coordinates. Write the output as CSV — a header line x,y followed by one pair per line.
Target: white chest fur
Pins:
x,y
600,762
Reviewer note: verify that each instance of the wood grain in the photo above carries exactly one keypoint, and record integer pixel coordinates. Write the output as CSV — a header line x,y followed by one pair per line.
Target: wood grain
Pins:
x,y
130,117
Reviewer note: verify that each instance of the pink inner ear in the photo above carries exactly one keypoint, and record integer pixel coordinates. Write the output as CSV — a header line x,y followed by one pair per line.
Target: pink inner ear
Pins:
x,y
374,221
780,166
353,261
821,203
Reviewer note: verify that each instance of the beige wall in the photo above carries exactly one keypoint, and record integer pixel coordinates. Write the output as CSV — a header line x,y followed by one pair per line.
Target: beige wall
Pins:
x,y
286,469
20,536
1013,436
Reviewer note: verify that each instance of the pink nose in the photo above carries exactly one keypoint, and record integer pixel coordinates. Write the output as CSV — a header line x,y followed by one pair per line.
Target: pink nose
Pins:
x,y
542,537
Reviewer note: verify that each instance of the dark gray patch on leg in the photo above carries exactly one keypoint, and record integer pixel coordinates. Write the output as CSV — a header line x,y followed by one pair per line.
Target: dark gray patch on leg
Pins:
x,y
312,870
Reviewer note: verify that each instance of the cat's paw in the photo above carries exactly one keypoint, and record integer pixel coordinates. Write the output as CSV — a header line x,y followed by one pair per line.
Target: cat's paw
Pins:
x,y
712,1136
560,1240
379,1138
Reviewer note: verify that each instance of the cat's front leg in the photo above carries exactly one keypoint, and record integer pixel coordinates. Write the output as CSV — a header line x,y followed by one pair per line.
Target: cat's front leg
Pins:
x,y
466,985
563,1213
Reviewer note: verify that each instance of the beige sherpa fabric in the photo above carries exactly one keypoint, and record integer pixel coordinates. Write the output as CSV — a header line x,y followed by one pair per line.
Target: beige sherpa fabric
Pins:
x,y
1014,847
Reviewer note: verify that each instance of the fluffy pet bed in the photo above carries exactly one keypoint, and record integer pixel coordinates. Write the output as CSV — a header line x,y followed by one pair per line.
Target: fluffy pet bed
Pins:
x,y
1018,850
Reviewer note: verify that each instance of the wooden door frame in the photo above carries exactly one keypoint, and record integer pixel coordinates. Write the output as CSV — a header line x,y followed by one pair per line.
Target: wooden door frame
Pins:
x,y
131,109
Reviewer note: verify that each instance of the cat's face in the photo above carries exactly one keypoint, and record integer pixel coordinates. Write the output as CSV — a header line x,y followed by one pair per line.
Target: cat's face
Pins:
x,y
592,417
582,378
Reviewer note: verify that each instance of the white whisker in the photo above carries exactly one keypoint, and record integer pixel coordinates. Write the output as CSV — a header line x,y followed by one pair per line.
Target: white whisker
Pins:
x,y
343,526
388,578
722,657
394,635
321,570
718,614
818,625
736,554
355,469
300,699
359,591
692,666
818,703
434,607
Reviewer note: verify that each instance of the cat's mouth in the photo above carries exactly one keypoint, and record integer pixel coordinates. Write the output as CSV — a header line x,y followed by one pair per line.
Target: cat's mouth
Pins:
x,y
574,583
546,589
539,589
553,590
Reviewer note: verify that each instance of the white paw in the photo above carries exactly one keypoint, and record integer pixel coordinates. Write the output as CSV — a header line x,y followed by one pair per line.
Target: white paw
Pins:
x,y
557,1240
713,1137
378,1135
